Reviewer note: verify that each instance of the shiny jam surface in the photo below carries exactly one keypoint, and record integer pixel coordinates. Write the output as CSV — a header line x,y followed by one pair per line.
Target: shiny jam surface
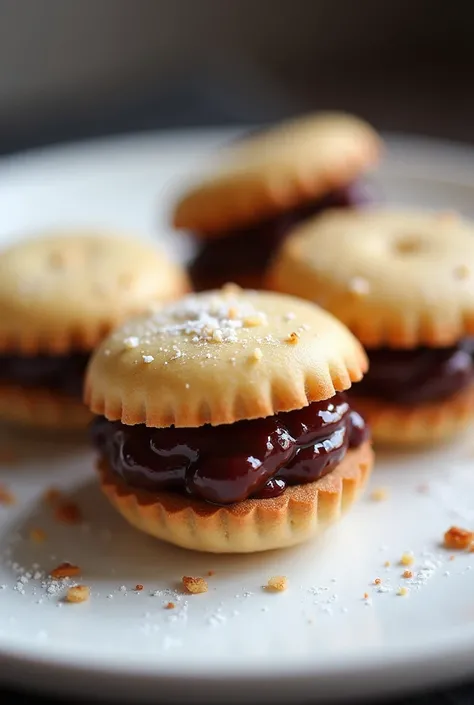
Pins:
x,y
227,464
247,251
59,373
418,376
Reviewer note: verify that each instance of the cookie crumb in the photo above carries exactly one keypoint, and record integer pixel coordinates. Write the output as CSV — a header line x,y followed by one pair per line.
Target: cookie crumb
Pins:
x,y
52,495
170,606
462,271
194,585
131,342
402,591
366,595
37,535
379,494
407,574
211,572
139,587
278,583
256,319
377,581
68,513
65,570
359,286
78,593
292,338
257,354
7,498
387,564
407,559
57,259
458,539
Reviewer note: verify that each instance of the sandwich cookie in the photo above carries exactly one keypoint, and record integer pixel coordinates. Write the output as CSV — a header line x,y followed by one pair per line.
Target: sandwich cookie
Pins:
x,y
403,283
222,423
265,184
60,294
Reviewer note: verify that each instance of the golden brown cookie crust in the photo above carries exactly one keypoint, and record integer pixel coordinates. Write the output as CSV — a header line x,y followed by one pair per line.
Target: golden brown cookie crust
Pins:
x,y
397,425
277,170
220,357
395,278
42,409
254,525
66,291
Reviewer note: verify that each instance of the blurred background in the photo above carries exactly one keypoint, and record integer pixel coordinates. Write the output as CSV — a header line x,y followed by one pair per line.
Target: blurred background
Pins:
x,y
71,69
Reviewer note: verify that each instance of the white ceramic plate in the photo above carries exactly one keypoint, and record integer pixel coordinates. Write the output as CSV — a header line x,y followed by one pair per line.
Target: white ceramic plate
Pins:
x,y
319,638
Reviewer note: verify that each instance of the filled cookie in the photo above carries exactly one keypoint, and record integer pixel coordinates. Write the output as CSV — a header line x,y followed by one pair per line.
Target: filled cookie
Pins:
x,y
264,184
60,294
403,282
222,424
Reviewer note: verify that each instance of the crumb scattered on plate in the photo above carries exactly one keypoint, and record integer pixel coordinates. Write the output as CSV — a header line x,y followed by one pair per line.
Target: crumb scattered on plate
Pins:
x,y
65,570
458,539
379,494
68,513
407,559
78,593
194,585
6,496
277,583
37,535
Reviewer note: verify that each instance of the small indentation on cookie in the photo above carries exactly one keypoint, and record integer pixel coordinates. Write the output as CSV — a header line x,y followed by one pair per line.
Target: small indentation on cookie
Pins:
x,y
256,355
462,271
57,260
125,280
410,245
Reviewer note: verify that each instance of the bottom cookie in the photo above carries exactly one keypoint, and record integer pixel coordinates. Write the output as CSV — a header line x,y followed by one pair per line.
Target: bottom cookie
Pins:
x,y
398,425
254,525
42,409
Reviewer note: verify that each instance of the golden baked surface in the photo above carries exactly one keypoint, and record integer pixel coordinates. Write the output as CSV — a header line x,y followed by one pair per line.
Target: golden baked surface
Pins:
x,y
220,357
395,278
62,292
278,169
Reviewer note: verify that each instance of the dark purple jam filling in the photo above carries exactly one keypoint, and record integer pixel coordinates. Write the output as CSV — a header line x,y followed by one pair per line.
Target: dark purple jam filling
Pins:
x,y
247,251
418,376
58,373
227,464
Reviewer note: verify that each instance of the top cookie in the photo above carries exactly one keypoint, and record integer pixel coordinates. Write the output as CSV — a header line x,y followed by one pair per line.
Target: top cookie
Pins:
x,y
65,292
401,279
279,169
221,357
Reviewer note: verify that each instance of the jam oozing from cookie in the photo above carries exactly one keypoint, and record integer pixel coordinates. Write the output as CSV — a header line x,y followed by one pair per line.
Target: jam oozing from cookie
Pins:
x,y
227,464
418,376
58,373
243,254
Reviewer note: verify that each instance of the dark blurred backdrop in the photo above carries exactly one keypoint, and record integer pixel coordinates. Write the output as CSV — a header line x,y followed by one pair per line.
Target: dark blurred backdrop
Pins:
x,y
76,68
